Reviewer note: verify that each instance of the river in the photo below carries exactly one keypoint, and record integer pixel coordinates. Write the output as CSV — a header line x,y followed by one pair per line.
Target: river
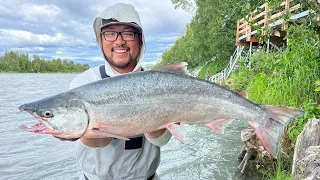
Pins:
x,y
204,155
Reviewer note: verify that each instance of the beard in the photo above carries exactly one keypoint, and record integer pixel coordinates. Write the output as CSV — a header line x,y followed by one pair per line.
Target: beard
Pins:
x,y
121,64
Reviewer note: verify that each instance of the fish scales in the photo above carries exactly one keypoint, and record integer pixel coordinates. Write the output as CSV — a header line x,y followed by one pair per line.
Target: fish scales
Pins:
x,y
142,102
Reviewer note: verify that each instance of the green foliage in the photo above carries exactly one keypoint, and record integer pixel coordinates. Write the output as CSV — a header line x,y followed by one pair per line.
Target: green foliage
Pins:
x,y
243,82
15,62
285,78
213,68
211,32
288,78
184,4
284,162
281,172
267,63
317,85
312,110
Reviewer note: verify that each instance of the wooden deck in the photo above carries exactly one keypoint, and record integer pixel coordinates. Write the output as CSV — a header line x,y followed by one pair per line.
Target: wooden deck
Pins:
x,y
263,16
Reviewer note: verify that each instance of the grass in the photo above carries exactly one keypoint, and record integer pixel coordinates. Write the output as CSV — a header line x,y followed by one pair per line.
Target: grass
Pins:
x,y
287,78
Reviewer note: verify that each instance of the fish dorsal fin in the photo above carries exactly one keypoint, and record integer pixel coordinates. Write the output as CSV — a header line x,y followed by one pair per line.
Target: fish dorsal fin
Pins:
x,y
177,68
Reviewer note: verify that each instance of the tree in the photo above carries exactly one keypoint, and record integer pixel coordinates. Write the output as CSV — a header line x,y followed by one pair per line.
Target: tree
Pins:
x,y
13,61
24,62
211,32
4,67
36,63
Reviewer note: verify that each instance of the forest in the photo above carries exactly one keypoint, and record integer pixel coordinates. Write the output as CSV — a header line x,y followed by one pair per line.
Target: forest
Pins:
x,y
22,63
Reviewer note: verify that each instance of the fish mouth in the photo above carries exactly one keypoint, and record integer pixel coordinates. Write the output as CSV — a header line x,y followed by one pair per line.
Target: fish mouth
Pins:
x,y
43,127
40,128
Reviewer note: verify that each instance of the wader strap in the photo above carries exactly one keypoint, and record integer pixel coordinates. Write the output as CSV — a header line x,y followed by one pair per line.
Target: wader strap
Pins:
x,y
103,73
134,143
85,177
151,177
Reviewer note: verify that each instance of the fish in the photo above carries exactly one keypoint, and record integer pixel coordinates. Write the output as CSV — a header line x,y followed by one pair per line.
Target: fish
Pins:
x,y
141,102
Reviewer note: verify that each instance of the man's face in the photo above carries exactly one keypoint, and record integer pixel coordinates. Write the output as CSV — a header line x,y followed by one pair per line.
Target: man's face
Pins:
x,y
122,54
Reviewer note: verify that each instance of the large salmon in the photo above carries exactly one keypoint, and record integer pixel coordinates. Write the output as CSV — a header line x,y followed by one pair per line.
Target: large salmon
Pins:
x,y
142,102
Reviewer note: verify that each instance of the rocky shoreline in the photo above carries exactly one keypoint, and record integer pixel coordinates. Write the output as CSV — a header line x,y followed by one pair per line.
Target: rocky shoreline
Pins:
x,y
255,162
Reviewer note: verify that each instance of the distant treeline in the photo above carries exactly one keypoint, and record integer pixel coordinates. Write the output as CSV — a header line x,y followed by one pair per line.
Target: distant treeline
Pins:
x,y
21,63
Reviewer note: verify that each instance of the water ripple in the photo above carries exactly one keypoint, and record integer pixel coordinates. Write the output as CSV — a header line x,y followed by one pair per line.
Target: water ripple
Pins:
x,y
204,155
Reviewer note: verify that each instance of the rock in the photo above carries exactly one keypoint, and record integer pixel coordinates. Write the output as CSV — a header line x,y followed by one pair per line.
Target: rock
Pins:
x,y
309,166
247,135
254,160
315,174
306,159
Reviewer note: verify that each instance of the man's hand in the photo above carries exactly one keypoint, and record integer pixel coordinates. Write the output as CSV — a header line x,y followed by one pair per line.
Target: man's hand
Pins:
x,y
95,142
65,139
158,133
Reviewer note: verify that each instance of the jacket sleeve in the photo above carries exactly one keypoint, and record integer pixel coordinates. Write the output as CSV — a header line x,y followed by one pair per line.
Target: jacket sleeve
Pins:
x,y
161,140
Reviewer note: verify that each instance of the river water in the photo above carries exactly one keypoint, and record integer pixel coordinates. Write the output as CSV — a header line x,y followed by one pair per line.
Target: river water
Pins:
x,y
204,155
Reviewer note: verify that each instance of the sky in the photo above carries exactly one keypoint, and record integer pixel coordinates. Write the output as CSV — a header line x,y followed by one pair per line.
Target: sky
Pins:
x,y
63,28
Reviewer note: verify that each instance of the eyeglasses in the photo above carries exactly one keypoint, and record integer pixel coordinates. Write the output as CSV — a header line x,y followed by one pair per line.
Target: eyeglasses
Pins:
x,y
113,35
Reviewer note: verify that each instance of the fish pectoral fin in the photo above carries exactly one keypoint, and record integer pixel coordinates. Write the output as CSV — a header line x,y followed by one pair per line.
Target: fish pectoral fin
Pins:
x,y
105,134
175,130
217,124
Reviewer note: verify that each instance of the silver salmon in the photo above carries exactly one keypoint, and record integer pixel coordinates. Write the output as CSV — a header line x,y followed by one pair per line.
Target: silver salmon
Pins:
x,y
142,102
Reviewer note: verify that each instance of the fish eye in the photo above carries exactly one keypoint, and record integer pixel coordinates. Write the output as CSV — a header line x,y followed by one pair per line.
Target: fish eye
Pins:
x,y
47,114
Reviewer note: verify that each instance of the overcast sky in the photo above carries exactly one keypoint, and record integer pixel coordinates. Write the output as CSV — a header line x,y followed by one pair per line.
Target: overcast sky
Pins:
x,y
63,28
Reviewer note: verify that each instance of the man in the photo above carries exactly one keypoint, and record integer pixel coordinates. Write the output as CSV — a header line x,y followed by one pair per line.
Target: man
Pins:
x,y
207,76
120,37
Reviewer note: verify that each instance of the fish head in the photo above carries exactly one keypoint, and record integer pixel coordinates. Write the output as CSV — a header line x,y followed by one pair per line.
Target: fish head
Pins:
x,y
62,117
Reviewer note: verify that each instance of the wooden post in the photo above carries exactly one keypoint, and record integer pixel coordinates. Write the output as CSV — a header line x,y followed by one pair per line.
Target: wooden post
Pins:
x,y
287,5
266,19
318,16
248,38
238,29
250,50
287,9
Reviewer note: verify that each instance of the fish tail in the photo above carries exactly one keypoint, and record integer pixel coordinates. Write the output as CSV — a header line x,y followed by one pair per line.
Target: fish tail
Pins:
x,y
269,132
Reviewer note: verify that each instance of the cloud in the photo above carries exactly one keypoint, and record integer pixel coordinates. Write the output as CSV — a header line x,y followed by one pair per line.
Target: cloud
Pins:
x,y
59,52
150,63
64,28
96,58
37,13
18,37
28,49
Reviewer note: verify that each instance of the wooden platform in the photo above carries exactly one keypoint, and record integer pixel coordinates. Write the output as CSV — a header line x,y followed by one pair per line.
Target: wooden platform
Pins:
x,y
253,26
